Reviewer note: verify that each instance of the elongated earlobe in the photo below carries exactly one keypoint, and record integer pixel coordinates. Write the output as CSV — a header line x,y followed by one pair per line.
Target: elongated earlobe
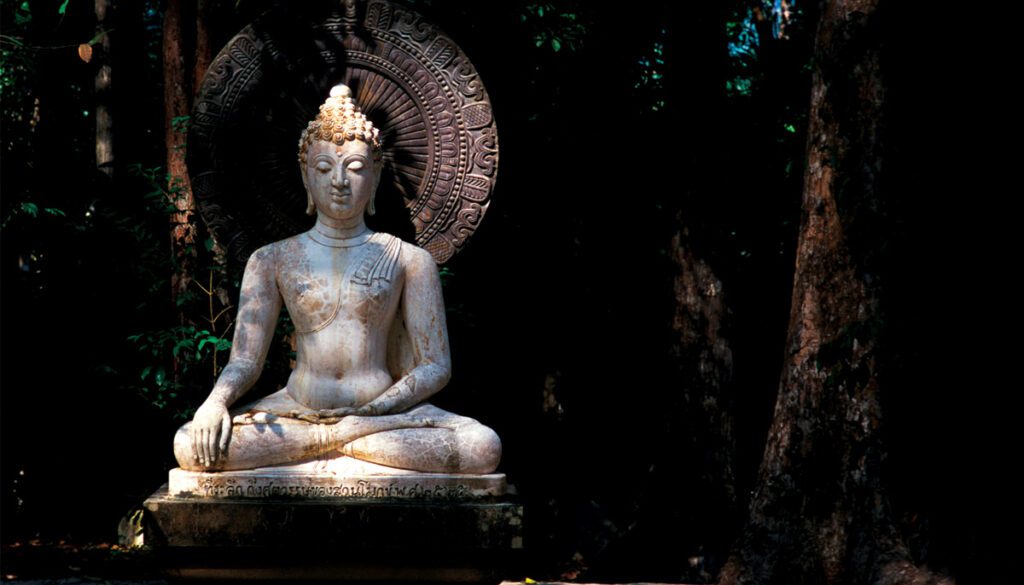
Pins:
x,y
372,208
310,206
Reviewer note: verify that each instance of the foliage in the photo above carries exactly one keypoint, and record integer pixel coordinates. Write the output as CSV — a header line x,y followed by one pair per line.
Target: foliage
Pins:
x,y
17,71
190,347
555,27
651,78
743,46
177,361
20,113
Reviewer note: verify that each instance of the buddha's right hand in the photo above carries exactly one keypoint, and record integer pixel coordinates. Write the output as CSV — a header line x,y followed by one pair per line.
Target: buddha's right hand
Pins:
x,y
211,430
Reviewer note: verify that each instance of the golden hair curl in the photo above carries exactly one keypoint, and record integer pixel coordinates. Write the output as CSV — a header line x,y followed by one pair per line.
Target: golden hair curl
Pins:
x,y
339,120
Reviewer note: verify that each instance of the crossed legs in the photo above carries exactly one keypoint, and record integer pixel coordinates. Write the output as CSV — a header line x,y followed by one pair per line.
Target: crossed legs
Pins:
x,y
424,438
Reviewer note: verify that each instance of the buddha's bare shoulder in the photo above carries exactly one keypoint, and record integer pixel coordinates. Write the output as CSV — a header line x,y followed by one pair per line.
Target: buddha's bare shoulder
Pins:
x,y
415,259
280,253
292,245
411,253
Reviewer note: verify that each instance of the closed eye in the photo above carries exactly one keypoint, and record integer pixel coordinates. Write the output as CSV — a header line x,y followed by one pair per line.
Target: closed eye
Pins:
x,y
323,167
355,166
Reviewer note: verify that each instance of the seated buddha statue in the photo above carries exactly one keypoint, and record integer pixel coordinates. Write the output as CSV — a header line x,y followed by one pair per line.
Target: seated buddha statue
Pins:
x,y
371,338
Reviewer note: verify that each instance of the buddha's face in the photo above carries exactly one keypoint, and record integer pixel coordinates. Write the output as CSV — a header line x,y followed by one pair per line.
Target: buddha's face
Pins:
x,y
340,179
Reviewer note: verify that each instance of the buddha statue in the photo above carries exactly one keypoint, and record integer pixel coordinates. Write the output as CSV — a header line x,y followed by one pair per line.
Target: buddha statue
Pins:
x,y
371,338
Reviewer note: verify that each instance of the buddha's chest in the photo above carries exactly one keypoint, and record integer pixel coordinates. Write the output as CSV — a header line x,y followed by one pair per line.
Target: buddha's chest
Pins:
x,y
321,286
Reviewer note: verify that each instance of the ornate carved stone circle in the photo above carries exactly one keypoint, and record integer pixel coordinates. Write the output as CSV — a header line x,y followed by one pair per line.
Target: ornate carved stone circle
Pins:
x,y
438,132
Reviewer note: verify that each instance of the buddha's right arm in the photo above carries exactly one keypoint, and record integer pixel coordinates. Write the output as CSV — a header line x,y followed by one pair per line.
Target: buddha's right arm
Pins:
x,y
259,305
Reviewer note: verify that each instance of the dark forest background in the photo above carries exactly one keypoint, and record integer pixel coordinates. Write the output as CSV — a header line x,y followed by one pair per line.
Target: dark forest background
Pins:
x,y
626,132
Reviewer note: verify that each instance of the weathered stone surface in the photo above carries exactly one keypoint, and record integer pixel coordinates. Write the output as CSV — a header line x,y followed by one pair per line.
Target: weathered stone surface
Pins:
x,y
343,477
370,335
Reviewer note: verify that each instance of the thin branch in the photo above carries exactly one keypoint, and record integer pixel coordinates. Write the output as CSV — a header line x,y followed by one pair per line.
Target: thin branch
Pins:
x,y
224,310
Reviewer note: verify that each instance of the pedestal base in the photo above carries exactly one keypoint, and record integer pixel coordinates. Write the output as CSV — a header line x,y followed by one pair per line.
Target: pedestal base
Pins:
x,y
380,537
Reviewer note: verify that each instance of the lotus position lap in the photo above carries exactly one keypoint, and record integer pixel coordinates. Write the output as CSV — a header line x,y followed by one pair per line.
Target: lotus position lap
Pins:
x,y
424,438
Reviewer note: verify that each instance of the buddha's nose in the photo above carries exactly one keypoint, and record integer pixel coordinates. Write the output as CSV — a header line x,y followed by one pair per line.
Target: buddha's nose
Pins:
x,y
339,179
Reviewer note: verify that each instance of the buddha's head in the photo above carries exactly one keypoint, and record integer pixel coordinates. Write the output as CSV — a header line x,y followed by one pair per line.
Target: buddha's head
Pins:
x,y
340,159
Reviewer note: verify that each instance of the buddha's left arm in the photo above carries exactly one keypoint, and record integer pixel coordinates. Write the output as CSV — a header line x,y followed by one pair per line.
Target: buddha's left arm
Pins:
x,y
422,307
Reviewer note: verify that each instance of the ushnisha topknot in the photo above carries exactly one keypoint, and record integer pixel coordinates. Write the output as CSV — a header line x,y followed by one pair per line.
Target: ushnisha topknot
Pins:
x,y
339,120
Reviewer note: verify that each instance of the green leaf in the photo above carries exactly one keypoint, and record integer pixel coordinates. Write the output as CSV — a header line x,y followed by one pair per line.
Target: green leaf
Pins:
x,y
98,37
63,8
180,123
54,211
556,44
30,208
145,372
161,375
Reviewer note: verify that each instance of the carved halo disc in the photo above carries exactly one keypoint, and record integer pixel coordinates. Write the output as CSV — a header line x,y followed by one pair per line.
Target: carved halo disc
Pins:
x,y
437,129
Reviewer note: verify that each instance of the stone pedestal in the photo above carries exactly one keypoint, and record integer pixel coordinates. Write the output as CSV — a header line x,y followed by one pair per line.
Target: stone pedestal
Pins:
x,y
359,522
342,477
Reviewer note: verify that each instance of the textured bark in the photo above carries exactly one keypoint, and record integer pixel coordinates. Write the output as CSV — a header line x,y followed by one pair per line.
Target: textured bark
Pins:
x,y
819,513
104,121
700,345
203,54
176,106
696,52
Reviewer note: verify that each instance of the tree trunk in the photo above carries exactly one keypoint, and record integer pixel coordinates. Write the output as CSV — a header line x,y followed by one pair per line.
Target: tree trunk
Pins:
x,y
104,121
696,57
202,53
704,352
177,94
819,513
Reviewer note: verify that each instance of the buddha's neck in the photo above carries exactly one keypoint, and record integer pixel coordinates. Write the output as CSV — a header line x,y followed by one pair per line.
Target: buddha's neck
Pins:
x,y
340,229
